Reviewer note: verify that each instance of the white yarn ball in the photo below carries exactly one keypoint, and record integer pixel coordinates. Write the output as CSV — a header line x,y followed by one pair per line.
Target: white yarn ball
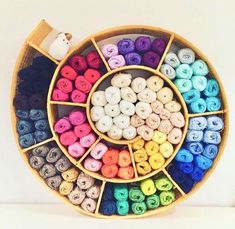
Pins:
x,y
129,133
96,113
143,110
122,121
155,83
104,124
138,84
98,98
147,96
127,108
128,94
115,132
121,80
113,95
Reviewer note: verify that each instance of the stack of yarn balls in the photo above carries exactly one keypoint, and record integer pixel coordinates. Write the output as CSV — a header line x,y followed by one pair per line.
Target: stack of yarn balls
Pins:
x,y
147,108
197,155
137,198
32,127
141,51
86,193
75,133
60,175
110,162
30,101
191,78
151,155
77,77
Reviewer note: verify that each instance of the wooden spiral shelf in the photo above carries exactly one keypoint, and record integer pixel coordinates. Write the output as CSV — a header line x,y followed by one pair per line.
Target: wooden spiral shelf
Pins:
x,y
32,45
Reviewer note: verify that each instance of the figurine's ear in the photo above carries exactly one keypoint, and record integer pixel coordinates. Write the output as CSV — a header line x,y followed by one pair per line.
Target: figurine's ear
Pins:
x,y
60,34
68,36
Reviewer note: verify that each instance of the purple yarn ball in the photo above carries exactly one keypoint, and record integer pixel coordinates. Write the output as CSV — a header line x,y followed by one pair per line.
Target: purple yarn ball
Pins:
x,y
133,58
151,59
125,46
142,44
159,46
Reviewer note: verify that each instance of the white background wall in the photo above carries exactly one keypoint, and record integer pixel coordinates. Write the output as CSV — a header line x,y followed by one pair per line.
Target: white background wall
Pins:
x,y
209,24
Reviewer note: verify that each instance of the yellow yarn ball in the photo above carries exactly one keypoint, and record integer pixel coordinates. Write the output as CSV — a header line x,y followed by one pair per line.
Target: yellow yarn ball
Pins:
x,y
143,168
159,137
140,155
151,147
166,149
156,161
147,187
138,144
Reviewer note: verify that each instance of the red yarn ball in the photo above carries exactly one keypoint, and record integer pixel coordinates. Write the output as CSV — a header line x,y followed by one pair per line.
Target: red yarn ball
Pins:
x,y
78,63
92,75
94,60
82,84
68,72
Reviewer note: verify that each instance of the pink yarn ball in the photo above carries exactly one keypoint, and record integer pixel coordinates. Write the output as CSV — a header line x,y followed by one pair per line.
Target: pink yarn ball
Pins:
x,y
76,150
92,164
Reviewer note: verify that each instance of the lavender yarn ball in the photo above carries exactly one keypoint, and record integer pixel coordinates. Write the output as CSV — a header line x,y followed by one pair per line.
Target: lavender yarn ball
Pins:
x,y
159,46
142,44
151,59
133,58
116,62
109,50
125,46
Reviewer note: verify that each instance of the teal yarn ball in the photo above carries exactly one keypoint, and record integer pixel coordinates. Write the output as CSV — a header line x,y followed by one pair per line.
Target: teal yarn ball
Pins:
x,y
199,82
121,192
200,68
122,207
212,88
183,85
199,106
213,104
191,96
184,71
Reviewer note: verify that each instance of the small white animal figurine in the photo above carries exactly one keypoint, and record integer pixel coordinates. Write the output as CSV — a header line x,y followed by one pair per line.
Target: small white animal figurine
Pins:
x,y
60,46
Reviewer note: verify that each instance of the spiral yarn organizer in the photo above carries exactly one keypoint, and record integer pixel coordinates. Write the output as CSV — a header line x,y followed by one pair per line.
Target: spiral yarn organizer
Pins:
x,y
58,109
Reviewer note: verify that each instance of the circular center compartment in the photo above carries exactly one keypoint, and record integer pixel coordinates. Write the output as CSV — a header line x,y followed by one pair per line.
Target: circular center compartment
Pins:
x,y
134,103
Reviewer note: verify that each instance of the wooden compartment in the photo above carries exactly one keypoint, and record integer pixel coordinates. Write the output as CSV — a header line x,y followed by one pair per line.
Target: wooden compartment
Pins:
x,y
178,43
